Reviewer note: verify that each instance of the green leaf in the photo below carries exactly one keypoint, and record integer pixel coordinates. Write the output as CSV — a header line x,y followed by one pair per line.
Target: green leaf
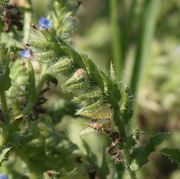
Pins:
x,y
90,156
103,170
5,81
104,165
172,154
3,155
31,87
141,153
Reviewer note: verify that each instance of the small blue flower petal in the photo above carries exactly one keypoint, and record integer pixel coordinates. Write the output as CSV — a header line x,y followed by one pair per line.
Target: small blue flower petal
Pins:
x,y
25,53
3,176
44,23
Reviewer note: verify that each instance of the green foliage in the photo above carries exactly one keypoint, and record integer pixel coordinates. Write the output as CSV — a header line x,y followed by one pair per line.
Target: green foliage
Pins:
x,y
172,154
127,105
81,71
93,167
140,154
23,86
3,155
5,81
62,17
40,143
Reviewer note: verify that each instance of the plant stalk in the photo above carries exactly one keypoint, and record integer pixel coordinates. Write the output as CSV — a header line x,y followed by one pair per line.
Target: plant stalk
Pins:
x,y
122,130
132,173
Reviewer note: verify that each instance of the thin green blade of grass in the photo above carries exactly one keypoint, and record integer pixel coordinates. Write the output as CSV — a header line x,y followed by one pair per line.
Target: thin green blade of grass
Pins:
x,y
116,45
127,29
148,21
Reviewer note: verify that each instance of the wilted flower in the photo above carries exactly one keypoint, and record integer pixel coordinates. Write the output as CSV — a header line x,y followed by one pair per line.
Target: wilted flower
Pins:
x,y
25,53
44,23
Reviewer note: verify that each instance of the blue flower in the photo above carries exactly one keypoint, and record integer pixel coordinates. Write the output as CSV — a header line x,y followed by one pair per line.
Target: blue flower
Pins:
x,y
44,23
25,53
3,176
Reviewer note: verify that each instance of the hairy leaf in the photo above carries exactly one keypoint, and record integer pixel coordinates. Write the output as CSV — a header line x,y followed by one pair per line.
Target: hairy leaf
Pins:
x,y
172,154
3,155
141,153
5,81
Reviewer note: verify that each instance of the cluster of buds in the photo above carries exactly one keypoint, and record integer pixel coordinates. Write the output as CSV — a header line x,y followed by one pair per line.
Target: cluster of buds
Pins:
x,y
61,59
78,77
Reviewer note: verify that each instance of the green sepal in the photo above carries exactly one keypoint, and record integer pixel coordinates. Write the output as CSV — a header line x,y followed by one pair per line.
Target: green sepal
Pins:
x,y
92,71
62,66
126,105
93,94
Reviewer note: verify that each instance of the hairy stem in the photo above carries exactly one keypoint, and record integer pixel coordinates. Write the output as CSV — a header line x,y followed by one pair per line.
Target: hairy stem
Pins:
x,y
125,150
119,122
132,173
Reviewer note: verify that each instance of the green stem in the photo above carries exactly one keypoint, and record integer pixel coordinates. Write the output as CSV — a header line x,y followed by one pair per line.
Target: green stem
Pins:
x,y
4,105
29,107
131,172
147,27
116,46
119,122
